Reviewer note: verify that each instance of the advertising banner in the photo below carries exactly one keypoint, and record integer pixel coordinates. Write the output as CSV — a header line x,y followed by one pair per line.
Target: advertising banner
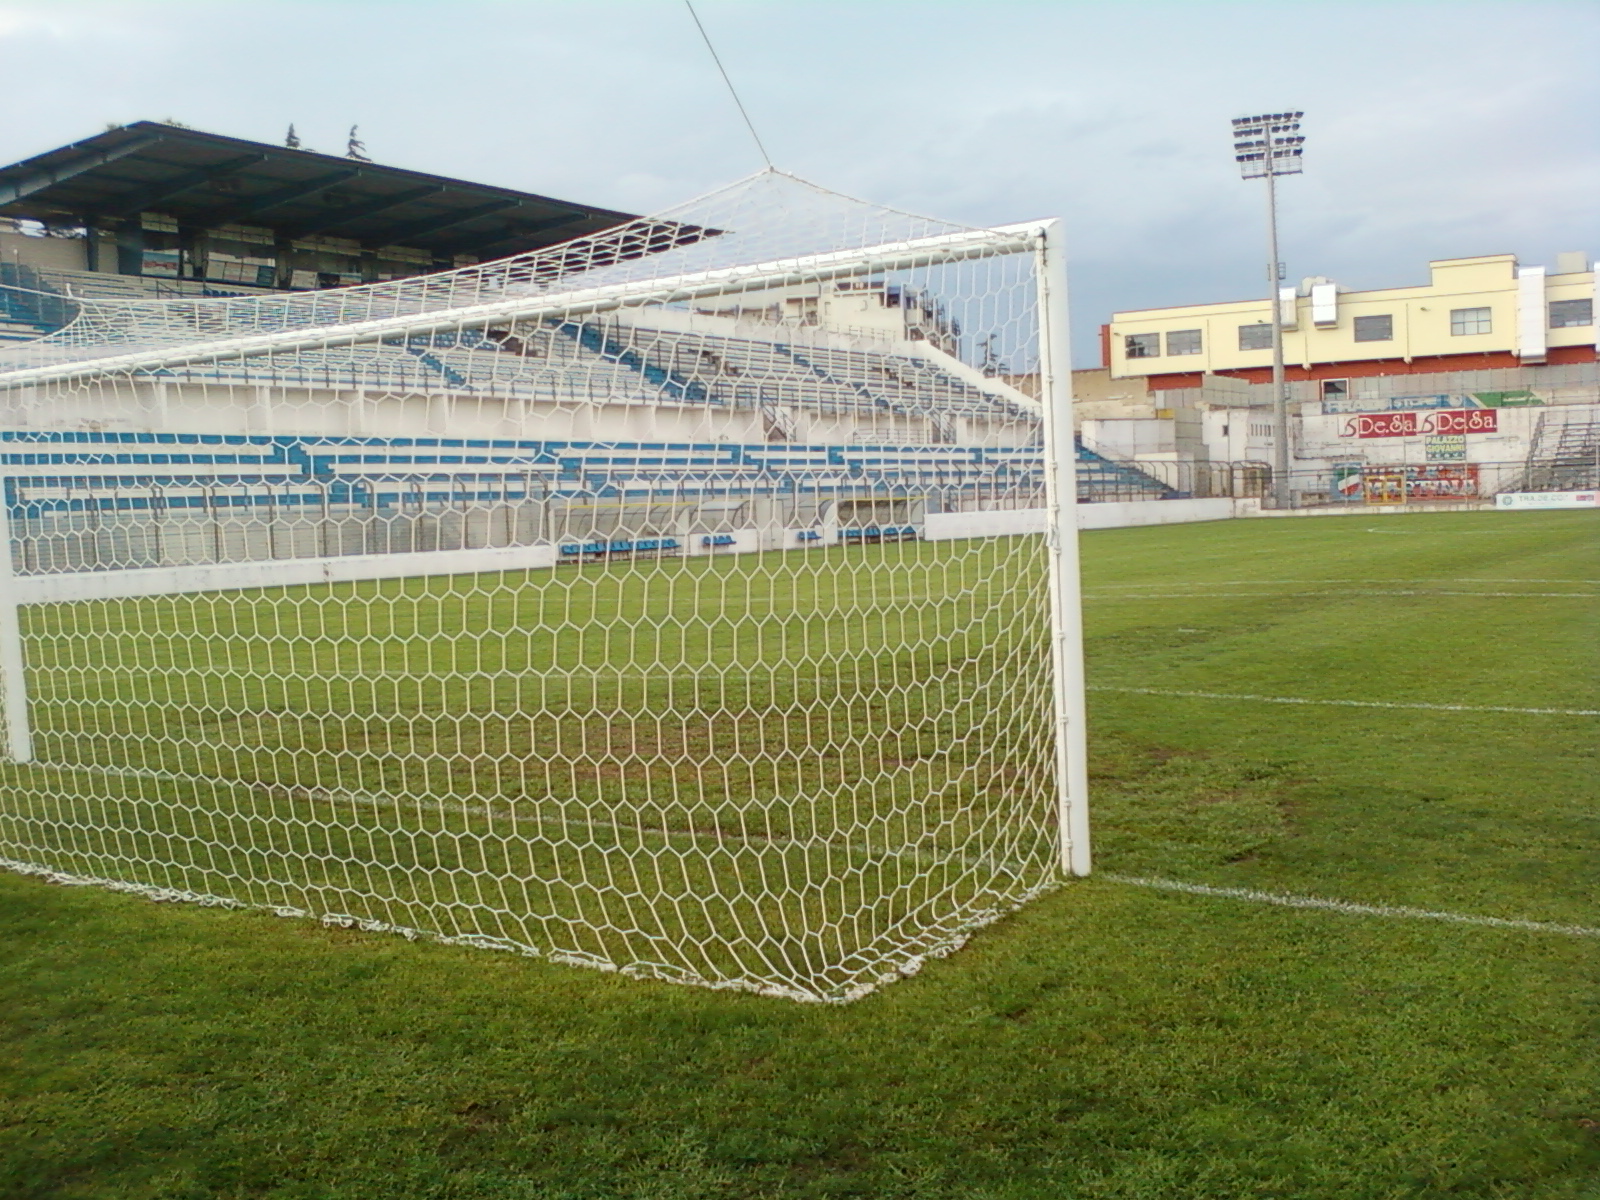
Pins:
x,y
1361,404
1376,425
1411,482
1451,447
1410,424
1467,420
160,263
1340,404
1547,500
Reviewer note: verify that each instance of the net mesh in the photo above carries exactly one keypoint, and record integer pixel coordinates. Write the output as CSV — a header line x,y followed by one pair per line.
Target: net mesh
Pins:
x,y
663,601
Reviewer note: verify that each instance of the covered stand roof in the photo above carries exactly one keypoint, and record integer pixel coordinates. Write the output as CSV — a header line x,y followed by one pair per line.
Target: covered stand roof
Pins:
x,y
206,180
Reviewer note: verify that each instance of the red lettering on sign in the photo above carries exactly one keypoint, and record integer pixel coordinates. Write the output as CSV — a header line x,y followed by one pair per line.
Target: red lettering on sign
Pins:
x,y
1466,420
1411,423
1376,425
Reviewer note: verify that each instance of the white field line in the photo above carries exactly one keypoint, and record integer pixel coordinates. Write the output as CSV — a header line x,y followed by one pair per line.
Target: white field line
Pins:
x,y
1491,708
735,675
1316,582
340,920
1338,595
1358,910
1434,532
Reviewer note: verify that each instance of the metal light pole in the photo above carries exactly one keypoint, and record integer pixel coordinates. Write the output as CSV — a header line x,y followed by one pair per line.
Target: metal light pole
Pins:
x,y
1266,146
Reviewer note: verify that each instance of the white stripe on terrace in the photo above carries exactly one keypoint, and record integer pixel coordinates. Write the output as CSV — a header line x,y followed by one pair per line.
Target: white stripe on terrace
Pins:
x,y
1488,708
1352,908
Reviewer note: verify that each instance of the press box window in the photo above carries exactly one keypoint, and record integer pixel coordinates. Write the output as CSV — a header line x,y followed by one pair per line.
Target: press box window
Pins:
x,y
1255,337
1469,320
1335,389
1183,341
1374,329
1143,345
1568,314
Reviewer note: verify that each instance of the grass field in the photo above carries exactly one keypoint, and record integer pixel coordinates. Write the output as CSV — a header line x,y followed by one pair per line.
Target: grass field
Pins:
x,y
1110,1040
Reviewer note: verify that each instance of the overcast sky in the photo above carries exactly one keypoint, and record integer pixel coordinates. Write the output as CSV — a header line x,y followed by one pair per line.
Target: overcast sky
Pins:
x,y
1435,130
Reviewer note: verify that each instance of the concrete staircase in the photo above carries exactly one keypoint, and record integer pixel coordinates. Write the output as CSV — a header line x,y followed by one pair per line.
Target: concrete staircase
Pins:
x,y
1101,479
1565,455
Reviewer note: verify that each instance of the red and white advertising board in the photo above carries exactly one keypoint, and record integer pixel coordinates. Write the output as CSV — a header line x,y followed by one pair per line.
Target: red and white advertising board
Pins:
x,y
1416,424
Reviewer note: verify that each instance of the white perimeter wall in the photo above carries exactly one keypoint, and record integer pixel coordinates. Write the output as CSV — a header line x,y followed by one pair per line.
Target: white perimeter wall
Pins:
x,y
158,581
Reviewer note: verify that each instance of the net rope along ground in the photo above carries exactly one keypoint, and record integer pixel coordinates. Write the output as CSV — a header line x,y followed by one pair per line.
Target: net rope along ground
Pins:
x,y
348,628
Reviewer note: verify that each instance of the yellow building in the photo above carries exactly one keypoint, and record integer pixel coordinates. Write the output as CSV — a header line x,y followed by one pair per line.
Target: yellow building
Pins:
x,y
1474,314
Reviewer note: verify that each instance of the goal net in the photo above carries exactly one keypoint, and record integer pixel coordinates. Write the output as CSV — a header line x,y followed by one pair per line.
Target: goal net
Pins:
x,y
695,599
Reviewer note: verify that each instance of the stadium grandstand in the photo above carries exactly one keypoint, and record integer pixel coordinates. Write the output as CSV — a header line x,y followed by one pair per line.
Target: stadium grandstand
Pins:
x,y
150,234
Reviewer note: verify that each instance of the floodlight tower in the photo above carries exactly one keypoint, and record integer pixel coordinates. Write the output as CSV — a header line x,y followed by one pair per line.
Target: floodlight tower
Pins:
x,y
1266,146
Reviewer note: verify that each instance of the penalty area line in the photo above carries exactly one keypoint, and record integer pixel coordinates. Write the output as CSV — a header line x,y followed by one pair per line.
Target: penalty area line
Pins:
x,y
1488,708
1350,907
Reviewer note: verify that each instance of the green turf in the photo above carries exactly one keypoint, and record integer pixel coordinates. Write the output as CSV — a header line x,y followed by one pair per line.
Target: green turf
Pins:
x,y
1106,1041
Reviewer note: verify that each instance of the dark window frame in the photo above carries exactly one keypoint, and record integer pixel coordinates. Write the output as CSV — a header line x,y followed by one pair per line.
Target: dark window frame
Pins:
x,y
1185,347
1361,328
1260,327
1141,345
1584,305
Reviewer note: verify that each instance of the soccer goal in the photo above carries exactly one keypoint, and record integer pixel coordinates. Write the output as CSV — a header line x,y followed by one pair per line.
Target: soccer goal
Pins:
x,y
696,600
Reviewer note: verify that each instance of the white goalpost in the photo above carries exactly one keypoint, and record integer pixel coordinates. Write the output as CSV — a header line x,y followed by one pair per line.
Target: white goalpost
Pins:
x,y
697,600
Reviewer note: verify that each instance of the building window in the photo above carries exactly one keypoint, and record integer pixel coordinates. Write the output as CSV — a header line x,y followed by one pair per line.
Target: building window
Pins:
x,y
1143,345
1255,337
1335,388
1567,314
1469,320
1183,341
1374,329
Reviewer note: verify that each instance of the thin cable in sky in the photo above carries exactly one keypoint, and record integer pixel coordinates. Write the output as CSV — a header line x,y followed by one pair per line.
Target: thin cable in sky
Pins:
x,y
732,91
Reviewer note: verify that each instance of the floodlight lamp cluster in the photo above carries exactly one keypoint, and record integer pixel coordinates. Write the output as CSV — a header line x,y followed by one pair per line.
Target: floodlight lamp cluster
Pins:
x,y
1269,143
